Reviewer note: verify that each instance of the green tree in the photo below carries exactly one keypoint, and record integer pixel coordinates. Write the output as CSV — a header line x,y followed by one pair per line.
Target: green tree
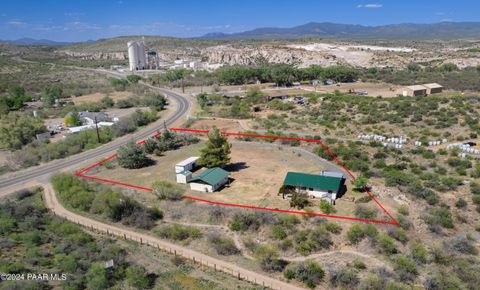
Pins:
x,y
132,156
18,129
73,119
360,183
96,277
136,277
216,152
202,100
51,94
16,91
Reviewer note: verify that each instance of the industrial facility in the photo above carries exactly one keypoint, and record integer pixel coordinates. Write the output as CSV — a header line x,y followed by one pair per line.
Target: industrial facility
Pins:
x,y
139,59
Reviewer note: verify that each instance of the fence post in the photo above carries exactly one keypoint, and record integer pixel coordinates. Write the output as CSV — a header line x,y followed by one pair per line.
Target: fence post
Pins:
x,y
141,241
215,267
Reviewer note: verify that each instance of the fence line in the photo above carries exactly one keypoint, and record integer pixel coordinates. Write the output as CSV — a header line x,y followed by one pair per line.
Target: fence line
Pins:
x,y
165,248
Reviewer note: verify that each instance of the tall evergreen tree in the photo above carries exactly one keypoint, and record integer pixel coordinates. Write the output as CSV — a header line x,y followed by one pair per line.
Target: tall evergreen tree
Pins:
x,y
132,156
216,152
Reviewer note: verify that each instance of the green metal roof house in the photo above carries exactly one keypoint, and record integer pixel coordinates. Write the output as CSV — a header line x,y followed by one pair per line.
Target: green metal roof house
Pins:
x,y
316,185
209,180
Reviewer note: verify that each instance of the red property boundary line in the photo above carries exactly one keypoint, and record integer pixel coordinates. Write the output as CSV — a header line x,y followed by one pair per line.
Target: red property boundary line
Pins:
x,y
82,174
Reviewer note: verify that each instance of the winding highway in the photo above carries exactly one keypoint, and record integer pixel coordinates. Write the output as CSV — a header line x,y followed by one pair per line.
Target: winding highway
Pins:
x,y
41,173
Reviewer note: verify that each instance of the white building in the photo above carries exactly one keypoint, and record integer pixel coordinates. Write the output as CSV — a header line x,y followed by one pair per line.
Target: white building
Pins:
x,y
184,177
186,165
136,55
209,180
327,185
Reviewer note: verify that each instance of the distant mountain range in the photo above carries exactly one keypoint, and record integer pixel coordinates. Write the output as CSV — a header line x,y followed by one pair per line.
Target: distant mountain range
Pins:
x,y
32,41
441,30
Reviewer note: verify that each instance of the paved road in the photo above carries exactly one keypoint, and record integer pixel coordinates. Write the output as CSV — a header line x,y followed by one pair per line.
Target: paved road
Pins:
x,y
126,233
43,172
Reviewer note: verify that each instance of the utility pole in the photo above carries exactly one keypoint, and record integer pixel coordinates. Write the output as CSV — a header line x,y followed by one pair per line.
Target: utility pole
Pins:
x,y
98,134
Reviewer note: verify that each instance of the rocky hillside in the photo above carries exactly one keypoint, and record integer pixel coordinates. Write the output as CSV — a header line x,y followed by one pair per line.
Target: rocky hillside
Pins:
x,y
301,52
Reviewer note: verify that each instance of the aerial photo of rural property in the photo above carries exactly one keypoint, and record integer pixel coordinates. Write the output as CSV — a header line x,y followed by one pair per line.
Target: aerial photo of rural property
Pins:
x,y
240,145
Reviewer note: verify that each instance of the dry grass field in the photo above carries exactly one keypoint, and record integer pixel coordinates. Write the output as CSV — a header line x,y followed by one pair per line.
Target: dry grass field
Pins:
x,y
96,97
257,172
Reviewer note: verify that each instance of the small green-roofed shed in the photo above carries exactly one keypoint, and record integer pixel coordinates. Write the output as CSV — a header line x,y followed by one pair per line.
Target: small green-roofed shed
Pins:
x,y
211,176
315,181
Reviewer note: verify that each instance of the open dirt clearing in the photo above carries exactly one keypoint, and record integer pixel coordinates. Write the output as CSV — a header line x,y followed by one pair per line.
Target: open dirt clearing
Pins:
x,y
96,97
373,89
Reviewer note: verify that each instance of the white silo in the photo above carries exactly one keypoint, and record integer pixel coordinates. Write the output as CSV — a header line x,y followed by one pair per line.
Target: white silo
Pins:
x,y
132,55
136,55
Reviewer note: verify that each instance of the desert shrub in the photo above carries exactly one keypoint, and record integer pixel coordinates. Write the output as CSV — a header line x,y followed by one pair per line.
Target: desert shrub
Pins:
x,y
418,252
217,214
178,232
462,245
386,245
405,267
372,282
327,207
443,281
355,234
288,220
333,228
370,231
117,207
403,210
308,241
475,188
136,277
244,221
398,234
365,212
440,216
73,192
345,277
278,232
307,272
299,200
268,258
363,199
223,245
167,190
461,203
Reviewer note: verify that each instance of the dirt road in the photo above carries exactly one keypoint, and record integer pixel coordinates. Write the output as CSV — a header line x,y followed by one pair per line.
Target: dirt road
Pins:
x,y
121,232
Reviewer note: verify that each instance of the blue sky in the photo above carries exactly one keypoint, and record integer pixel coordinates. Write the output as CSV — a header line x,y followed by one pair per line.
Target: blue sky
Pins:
x,y
75,20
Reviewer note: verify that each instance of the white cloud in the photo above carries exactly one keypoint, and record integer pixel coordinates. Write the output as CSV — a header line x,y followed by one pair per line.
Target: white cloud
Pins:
x,y
370,5
16,23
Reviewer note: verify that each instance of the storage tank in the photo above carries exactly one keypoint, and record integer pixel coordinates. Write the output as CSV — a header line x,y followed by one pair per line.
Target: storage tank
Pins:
x,y
136,55
132,55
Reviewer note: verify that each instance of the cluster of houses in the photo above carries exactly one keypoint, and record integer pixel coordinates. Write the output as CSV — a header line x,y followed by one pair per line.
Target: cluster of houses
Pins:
x,y
326,185
91,120
420,90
